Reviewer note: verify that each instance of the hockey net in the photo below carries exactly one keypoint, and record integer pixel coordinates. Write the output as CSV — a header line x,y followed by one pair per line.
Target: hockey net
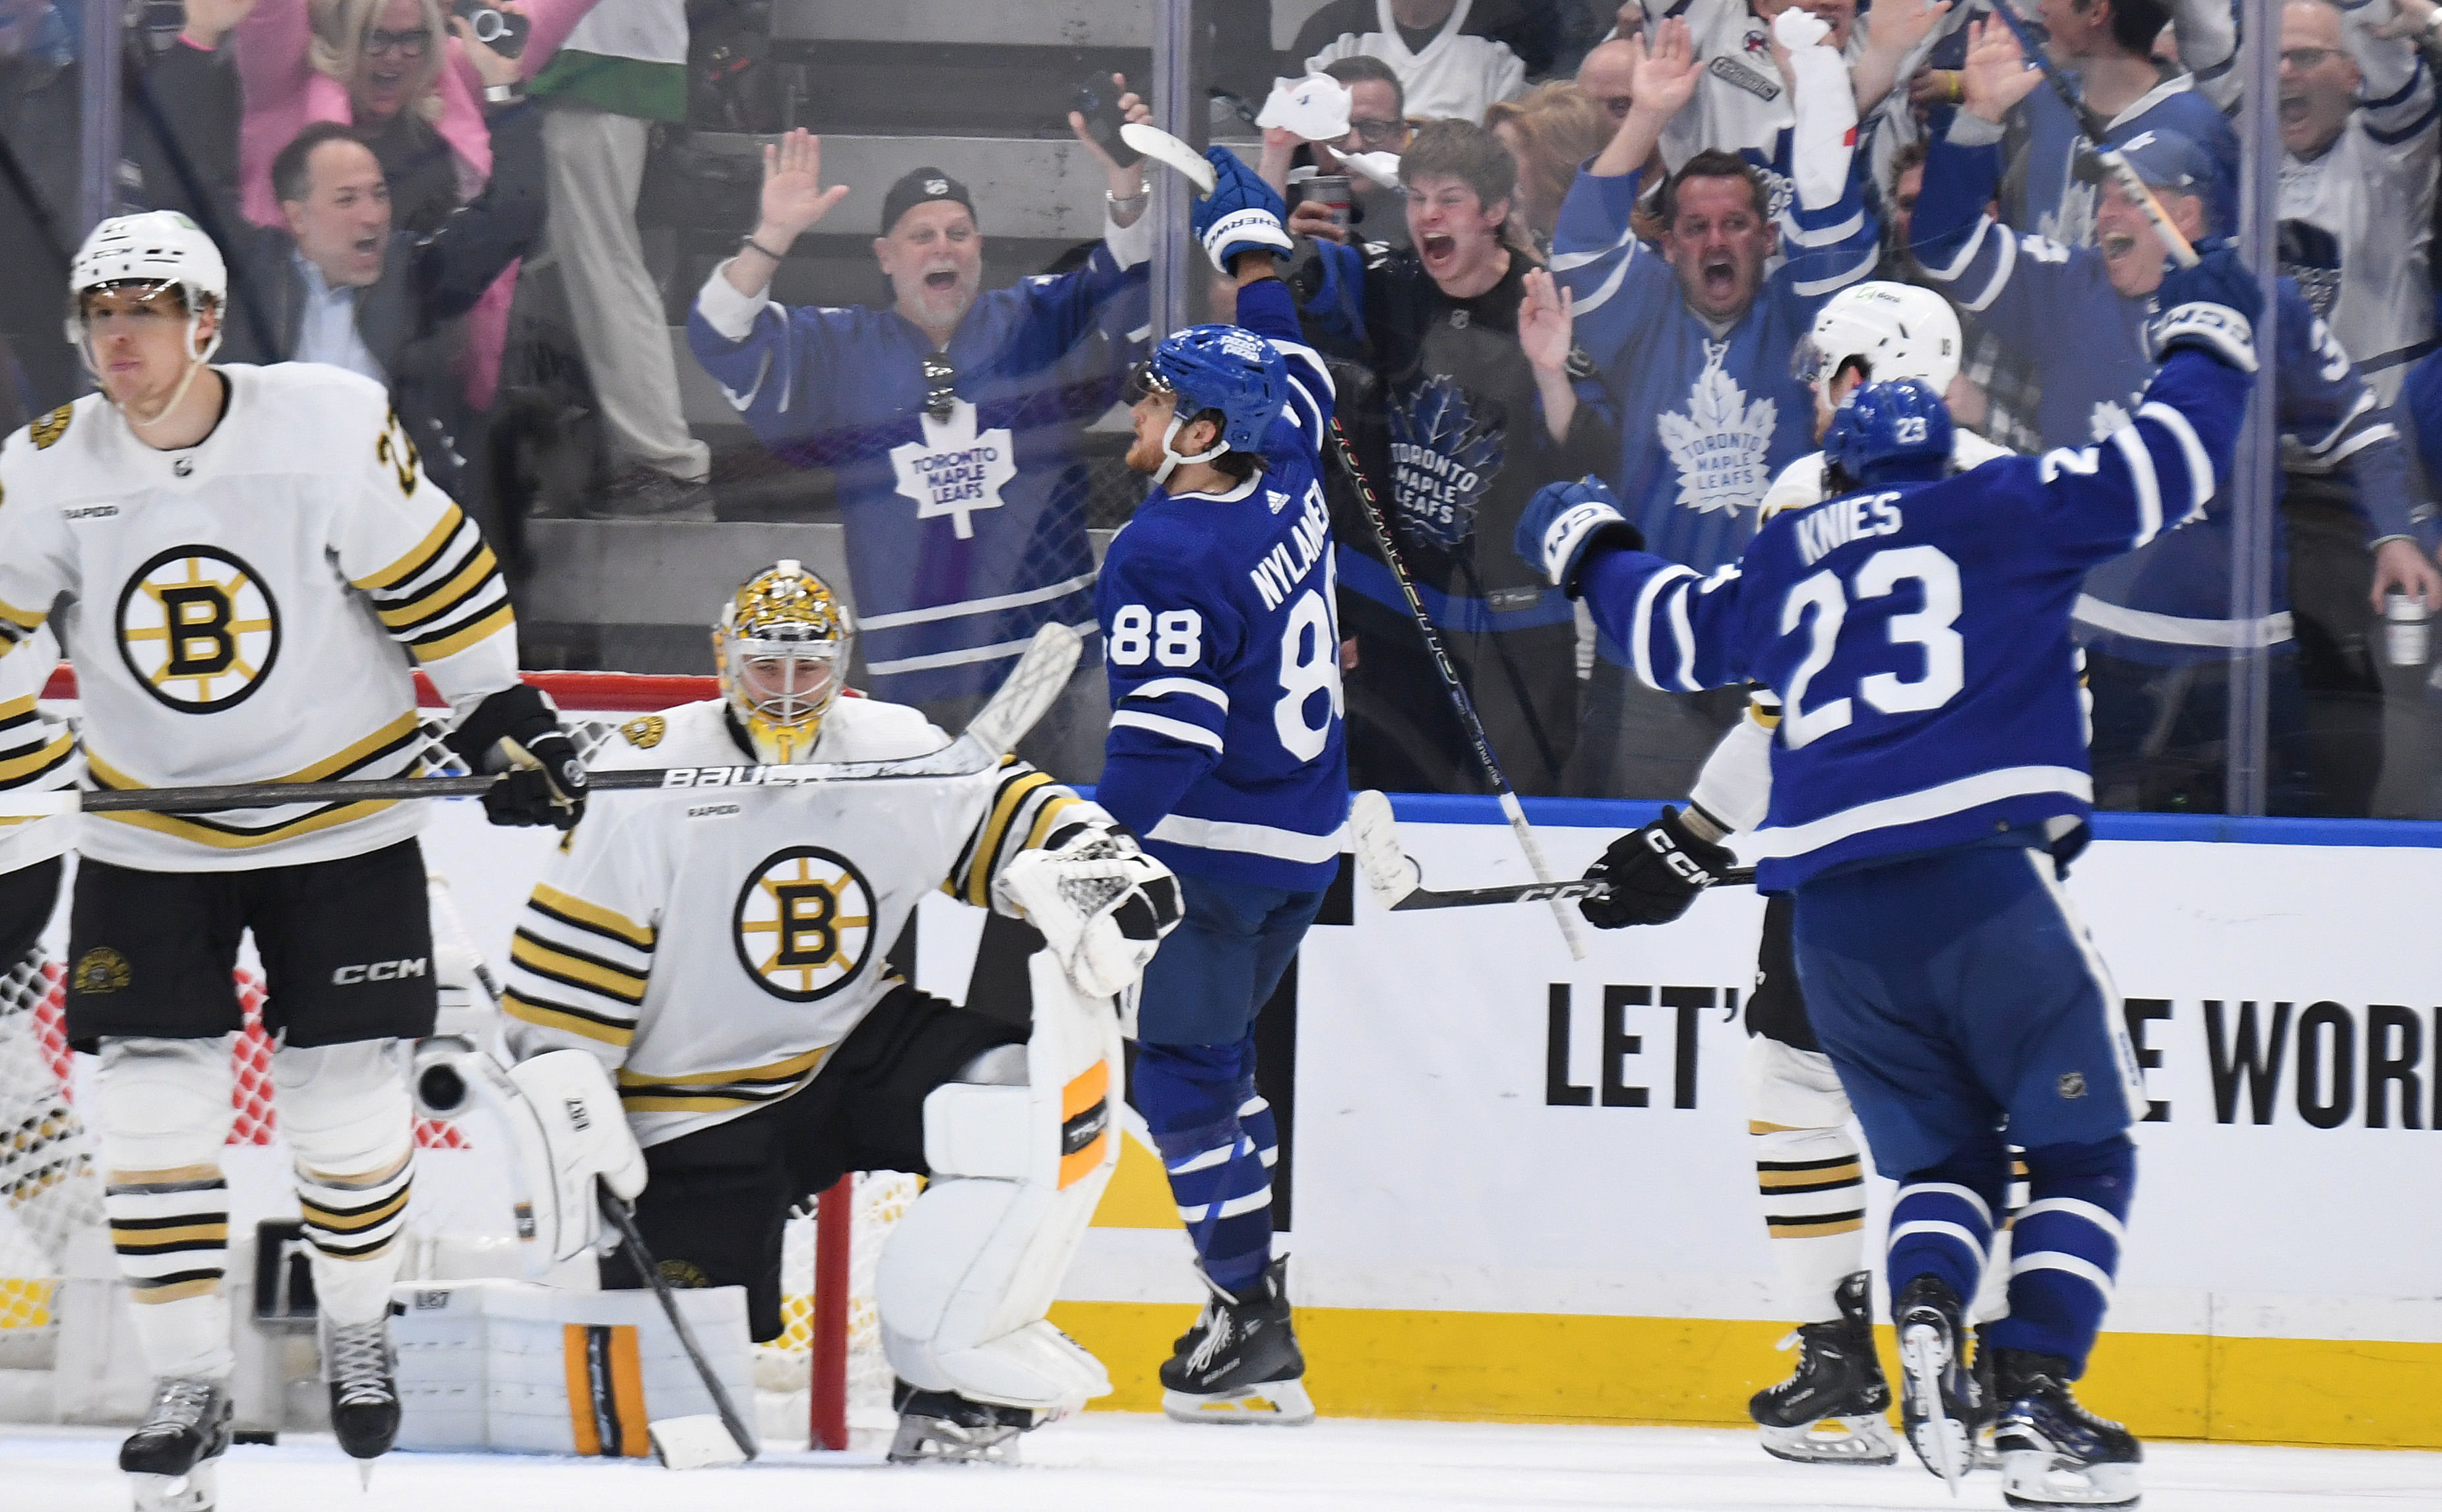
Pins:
x,y
50,1180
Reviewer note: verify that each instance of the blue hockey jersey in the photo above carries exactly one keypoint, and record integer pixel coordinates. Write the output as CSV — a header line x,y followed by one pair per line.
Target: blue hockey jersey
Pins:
x,y
1708,418
965,533
1227,755
1919,635
2171,602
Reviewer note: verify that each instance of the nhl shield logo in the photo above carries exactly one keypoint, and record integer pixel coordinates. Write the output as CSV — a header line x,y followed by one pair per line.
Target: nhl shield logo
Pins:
x,y
2073,1086
100,969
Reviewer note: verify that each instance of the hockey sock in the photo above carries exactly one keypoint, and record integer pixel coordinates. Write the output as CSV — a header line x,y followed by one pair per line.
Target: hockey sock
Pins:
x,y
164,1111
1941,1222
1217,1139
170,1230
2066,1247
1814,1190
344,1113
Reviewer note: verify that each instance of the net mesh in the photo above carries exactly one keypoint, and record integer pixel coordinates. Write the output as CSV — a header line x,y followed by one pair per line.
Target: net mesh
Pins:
x,y
881,1197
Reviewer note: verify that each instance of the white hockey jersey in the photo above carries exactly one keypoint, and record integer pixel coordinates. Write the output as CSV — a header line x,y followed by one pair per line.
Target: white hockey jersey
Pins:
x,y
36,754
713,946
250,610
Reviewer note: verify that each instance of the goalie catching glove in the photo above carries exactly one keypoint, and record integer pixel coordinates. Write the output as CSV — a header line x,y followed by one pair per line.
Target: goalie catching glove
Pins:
x,y
1654,873
1101,904
516,732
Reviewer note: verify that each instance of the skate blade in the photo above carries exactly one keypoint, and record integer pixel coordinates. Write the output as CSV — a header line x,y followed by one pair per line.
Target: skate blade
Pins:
x,y
2038,1479
194,1491
1279,1404
1865,1439
1945,1444
930,1440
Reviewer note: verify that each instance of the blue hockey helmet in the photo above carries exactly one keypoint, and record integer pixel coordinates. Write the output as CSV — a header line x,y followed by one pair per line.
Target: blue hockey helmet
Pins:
x,y
1215,367
1891,432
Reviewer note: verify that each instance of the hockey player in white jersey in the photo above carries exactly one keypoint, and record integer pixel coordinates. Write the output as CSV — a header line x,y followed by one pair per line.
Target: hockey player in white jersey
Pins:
x,y
1808,1169
245,564
722,953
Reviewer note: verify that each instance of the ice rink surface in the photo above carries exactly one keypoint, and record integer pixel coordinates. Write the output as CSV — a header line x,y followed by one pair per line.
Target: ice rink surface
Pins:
x,y
1120,1461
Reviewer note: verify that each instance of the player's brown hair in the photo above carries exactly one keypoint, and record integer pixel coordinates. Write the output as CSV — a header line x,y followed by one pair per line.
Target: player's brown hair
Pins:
x,y
1560,126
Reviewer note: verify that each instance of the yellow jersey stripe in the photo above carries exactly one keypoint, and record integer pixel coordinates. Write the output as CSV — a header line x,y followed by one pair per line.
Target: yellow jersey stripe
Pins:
x,y
499,619
542,1017
996,827
16,769
27,618
628,987
1043,820
776,1071
337,764
434,602
569,909
17,708
416,557
182,828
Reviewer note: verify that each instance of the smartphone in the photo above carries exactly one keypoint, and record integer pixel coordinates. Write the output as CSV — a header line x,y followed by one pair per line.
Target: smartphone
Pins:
x,y
1098,100
504,31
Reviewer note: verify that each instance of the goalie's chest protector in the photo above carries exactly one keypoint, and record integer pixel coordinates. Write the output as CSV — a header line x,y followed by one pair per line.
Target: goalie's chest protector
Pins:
x,y
771,908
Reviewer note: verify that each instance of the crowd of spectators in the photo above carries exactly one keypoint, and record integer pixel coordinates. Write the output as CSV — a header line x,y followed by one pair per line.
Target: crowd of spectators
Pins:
x,y
1553,238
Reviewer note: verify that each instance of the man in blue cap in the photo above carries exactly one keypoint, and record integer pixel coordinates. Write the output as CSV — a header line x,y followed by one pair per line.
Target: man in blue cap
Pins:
x,y
2158,625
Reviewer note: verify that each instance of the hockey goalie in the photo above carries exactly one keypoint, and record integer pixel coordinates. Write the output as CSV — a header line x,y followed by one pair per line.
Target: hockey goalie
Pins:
x,y
720,952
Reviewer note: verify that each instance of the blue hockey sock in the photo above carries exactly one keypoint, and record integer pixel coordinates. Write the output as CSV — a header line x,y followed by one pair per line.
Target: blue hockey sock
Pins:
x,y
2065,1248
1217,1142
1942,1222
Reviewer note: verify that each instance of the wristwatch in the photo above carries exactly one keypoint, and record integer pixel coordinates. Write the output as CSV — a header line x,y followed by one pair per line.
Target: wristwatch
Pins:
x,y
1144,197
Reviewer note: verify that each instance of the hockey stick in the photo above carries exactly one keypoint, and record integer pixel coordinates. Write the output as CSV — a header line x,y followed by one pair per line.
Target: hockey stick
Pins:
x,y
1396,878
2097,132
642,1258
1033,687
1468,723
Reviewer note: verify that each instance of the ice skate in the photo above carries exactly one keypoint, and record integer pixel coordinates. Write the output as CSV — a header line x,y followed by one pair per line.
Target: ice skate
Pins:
x,y
173,1458
1937,1393
1829,1411
361,1369
946,1427
2055,1454
1241,1364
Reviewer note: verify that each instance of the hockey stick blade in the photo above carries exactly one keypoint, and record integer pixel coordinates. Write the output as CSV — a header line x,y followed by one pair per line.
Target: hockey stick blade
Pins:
x,y
642,1258
1169,152
1033,687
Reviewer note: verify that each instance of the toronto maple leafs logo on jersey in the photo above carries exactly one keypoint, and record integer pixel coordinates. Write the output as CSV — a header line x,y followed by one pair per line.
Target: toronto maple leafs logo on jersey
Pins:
x,y
2110,416
1720,444
954,471
1443,459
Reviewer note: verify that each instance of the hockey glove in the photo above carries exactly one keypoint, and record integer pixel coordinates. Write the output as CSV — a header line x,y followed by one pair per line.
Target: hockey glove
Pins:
x,y
1562,522
1101,904
1242,214
516,732
1654,874
2211,308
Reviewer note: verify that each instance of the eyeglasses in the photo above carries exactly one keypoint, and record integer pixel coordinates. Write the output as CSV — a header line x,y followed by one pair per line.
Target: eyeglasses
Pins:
x,y
413,43
2303,59
1380,132
940,390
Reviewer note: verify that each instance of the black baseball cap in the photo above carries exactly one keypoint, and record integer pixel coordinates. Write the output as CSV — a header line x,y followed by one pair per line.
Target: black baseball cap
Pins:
x,y
920,186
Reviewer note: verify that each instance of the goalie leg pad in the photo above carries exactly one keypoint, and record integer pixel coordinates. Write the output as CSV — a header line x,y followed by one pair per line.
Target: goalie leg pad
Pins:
x,y
165,1113
1017,1167
344,1112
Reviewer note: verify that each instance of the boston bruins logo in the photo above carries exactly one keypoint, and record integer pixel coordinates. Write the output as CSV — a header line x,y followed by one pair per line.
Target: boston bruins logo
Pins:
x,y
804,923
198,628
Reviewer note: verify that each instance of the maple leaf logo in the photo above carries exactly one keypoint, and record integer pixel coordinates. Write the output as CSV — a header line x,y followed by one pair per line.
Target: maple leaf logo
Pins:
x,y
1719,445
2109,418
1442,461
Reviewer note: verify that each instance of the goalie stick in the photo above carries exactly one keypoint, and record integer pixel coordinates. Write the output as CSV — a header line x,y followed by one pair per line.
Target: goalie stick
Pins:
x,y
1395,877
2097,133
624,1221
1031,688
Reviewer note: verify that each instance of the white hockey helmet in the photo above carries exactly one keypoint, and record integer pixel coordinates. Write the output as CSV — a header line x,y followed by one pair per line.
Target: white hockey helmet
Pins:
x,y
1894,330
782,649
159,248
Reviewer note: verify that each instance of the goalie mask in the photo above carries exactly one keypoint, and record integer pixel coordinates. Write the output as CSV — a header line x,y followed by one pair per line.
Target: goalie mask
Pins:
x,y
782,649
